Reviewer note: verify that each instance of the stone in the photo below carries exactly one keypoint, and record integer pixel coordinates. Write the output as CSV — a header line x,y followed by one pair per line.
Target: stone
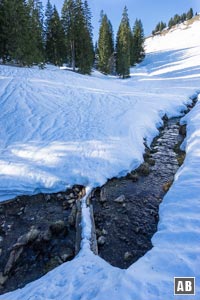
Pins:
x,y
102,198
0,251
72,216
1,239
1,210
134,177
151,162
144,169
45,236
120,199
57,227
137,229
104,232
167,185
27,238
59,196
48,198
101,240
182,130
65,204
128,256
71,201
2,278
67,255
14,256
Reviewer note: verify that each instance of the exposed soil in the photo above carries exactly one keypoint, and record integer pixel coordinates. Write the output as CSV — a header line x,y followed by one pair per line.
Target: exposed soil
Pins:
x,y
37,233
126,210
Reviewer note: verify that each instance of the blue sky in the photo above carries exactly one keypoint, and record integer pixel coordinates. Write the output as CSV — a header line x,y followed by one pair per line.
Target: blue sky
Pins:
x,y
149,11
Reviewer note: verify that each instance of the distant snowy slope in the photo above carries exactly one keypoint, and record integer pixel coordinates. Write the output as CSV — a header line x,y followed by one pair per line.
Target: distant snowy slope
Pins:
x,y
59,128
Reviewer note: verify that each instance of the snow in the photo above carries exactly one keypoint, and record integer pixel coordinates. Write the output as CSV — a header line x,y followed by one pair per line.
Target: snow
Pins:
x,y
59,128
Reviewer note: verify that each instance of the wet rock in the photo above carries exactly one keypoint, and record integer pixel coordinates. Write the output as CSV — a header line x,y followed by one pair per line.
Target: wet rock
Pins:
x,y
98,232
167,186
102,198
72,216
3,279
53,263
182,130
104,232
144,169
101,240
181,158
14,256
45,236
1,210
128,256
67,255
65,205
133,176
151,162
47,198
58,227
71,201
27,238
121,199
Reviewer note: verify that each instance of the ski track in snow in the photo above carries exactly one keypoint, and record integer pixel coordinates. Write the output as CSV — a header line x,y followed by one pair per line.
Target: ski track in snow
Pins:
x,y
58,128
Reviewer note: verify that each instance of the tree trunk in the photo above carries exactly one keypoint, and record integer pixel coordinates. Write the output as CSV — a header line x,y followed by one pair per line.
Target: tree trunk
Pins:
x,y
73,55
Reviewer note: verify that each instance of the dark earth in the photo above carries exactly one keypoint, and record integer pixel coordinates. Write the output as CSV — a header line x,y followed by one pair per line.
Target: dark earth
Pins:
x,y
37,233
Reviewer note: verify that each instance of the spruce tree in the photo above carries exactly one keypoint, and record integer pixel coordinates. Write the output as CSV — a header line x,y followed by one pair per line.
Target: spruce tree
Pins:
x,y
84,51
68,22
54,44
190,14
36,30
137,51
123,46
105,45
76,20
48,15
21,33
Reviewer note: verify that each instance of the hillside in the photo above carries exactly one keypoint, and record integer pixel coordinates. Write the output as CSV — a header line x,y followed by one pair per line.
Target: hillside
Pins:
x,y
59,128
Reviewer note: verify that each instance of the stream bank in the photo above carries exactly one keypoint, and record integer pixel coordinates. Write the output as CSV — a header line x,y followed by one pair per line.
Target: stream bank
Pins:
x,y
126,210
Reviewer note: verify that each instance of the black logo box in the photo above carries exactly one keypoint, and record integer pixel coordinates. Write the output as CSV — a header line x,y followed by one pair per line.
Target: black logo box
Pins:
x,y
184,285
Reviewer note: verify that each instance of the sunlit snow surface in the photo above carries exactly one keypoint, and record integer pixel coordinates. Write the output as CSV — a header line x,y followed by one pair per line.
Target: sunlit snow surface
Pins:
x,y
59,128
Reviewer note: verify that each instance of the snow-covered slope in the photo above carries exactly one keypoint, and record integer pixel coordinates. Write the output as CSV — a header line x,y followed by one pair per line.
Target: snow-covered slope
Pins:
x,y
60,128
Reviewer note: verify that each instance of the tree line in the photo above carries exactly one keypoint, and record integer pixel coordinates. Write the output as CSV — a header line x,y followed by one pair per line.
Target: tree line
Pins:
x,y
31,36
177,19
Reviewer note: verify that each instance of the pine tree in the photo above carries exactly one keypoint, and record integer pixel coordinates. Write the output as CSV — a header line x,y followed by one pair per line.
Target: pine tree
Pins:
x,y
76,20
123,46
36,30
137,51
20,45
55,45
48,15
83,43
190,14
171,23
68,22
159,27
105,44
